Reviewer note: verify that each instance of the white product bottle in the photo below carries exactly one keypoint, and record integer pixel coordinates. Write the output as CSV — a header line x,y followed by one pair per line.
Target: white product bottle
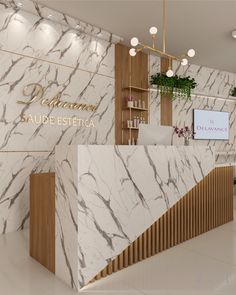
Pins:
x,y
135,122
140,103
143,104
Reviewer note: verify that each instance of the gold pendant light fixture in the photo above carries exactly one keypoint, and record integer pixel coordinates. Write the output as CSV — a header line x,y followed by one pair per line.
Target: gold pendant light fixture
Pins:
x,y
138,46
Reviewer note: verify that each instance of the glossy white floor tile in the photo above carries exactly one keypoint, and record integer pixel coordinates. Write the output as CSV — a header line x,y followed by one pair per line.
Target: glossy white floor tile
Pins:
x,y
205,265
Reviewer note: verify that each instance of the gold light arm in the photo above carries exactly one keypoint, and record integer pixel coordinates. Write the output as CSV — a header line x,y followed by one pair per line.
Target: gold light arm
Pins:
x,y
158,51
163,53
164,26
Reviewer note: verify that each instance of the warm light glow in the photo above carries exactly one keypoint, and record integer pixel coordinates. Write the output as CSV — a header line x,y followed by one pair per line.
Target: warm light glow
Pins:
x,y
169,73
234,34
134,41
153,30
191,53
132,52
184,62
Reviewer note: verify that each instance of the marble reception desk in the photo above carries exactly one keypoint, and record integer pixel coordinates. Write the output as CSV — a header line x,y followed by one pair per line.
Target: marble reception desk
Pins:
x,y
107,196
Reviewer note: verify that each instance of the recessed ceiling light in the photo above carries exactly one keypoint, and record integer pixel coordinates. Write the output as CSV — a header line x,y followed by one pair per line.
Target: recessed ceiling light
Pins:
x,y
234,34
50,16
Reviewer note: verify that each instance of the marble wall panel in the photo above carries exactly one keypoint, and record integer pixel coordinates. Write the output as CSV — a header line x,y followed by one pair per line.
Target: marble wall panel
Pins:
x,y
76,61
212,93
15,168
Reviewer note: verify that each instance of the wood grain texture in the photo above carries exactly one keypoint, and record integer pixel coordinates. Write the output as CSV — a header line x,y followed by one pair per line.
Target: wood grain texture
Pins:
x,y
208,205
166,101
129,71
42,219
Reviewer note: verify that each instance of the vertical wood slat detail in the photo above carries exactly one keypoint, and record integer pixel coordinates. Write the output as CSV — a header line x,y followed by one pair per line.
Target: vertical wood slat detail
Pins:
x,y
208,205
42,219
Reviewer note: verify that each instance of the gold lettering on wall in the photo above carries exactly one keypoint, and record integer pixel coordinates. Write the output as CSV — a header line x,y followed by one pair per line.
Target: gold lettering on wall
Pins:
x,y
60,121
35,93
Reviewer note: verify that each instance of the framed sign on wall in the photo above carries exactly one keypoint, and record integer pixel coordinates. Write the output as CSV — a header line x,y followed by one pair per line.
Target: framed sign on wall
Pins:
x,y
210,125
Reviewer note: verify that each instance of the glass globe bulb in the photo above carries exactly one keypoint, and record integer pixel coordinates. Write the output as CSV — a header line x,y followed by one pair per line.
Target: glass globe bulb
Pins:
x,y
134,41
234,34
169,73
191,53
184,62
153,30
132,52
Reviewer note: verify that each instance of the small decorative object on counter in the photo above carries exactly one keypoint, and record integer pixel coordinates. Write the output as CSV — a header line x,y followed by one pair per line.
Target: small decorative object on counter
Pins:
x,y
185,132
130,101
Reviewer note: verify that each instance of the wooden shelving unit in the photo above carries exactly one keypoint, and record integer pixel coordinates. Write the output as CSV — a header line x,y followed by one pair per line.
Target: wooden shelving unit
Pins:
x,y
138,89
131,78
139,109
132,114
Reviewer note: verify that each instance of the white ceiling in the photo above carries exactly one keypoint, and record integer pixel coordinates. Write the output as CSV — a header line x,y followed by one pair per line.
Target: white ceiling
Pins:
x,y
204,25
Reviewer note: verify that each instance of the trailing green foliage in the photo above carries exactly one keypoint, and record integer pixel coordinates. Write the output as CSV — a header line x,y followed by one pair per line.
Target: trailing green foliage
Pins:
x,y
176,86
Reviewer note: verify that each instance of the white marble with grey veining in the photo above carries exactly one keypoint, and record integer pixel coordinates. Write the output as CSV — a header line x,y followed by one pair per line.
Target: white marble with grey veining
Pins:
x,y
79,62
42,12
15,168
107,196
210,82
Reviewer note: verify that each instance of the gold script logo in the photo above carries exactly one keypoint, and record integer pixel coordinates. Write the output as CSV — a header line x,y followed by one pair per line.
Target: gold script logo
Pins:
x,y
35,93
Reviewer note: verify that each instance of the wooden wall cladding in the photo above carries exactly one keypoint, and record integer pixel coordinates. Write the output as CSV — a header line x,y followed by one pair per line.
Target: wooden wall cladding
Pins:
x,y
166,100
42,219
129,71
208,205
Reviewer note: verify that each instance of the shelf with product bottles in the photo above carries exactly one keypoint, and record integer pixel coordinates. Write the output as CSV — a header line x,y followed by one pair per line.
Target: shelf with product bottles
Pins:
x,y
132,117
133,96
135,111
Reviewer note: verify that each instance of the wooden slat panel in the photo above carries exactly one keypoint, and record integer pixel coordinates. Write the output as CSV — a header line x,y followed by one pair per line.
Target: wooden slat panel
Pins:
x,y
208,205
129,71
166,101
42,219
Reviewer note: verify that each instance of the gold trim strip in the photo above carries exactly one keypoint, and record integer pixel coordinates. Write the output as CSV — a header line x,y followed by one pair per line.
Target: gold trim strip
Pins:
x,y
21,151
52,62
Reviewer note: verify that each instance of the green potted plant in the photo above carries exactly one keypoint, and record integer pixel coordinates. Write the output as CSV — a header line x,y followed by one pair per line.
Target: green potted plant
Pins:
x,y
175,86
